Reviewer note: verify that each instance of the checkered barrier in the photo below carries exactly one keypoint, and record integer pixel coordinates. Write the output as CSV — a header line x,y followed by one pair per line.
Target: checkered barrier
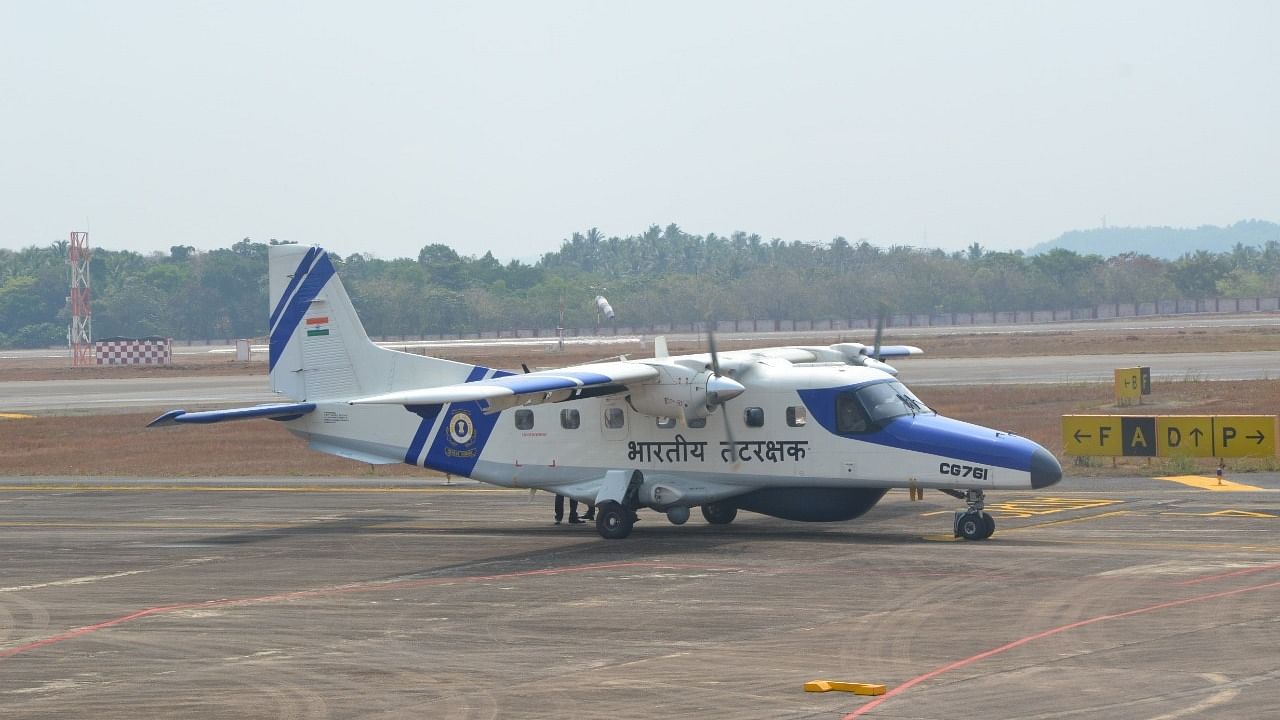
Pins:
x,y
134,352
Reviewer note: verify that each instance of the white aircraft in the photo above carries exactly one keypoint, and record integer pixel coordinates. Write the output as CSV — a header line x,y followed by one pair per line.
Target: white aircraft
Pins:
x,y
814,434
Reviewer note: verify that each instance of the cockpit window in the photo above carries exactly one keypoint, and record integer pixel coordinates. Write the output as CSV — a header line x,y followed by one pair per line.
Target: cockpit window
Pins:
x,y
870,405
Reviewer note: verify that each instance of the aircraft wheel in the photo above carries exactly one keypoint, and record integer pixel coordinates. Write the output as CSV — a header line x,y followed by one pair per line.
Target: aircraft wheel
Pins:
x,y
990,524
973,526
613,521
718,514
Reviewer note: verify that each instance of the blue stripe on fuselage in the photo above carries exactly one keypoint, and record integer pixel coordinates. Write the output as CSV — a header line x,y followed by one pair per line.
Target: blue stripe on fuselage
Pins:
x,y
297,308
428,413
462,437
931,434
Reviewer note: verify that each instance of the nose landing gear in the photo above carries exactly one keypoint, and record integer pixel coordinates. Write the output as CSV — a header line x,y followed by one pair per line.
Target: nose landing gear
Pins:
x,y
973,523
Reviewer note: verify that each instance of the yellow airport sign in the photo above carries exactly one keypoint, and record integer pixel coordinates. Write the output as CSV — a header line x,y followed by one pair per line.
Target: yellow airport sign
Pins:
x,y
1091,435
1128,385
1184,435
1220,436
1244,436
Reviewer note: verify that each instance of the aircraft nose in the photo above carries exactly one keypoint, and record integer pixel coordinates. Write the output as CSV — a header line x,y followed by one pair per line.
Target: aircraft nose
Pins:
x,y
1045,470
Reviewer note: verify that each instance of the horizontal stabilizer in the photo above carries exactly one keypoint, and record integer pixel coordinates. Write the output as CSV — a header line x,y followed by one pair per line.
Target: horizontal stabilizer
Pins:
x,y
277,411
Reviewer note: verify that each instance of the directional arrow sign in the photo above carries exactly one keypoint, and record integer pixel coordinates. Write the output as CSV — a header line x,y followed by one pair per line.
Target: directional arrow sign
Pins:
x,y
1222,436
1128,385
1244,435
1096,435
1184,436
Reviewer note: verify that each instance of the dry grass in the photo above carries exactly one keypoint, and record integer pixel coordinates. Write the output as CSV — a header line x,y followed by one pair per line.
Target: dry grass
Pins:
x,y
120,444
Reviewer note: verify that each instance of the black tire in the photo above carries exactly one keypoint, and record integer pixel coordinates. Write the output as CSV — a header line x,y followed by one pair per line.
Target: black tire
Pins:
x,y
990,524
973,527
613,521
718,513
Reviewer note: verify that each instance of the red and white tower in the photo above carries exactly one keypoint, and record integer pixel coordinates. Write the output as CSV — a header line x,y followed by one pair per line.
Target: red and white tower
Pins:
x,y
81,333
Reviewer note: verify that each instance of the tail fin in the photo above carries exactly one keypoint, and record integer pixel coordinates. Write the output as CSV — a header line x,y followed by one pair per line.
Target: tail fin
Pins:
x,y
319,349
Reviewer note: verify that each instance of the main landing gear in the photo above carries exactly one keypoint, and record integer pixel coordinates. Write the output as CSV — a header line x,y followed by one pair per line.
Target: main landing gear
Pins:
x,y
613,521
719,514
973,523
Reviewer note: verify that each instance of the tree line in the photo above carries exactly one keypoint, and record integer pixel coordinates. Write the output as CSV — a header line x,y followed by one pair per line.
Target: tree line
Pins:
x,y
663,275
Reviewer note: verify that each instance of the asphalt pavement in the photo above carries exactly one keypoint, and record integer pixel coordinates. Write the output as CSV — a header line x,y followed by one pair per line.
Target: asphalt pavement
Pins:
x,y
1115,598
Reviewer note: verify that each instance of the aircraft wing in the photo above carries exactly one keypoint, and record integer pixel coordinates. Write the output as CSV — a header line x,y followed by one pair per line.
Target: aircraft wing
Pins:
x,y
498,393
839,352
853,353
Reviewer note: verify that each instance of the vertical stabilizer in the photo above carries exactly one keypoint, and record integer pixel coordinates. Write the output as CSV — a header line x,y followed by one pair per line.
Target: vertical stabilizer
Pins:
x,y
319,349
311,319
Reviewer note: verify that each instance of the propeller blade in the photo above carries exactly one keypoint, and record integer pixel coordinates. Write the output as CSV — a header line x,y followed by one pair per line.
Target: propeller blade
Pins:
x,y
880,318
728,431
722,388
711,345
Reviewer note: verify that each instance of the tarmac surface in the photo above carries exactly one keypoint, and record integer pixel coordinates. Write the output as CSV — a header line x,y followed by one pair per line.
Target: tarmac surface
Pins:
x,y
1116,598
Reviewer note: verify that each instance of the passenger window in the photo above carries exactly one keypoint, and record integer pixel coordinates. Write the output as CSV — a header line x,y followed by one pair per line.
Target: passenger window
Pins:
x,y
796,416
753,416
570,419
666,423
524,419
849,414
614,418
697,422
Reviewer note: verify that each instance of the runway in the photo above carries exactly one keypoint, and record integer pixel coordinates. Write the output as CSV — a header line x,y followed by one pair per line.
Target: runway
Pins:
x,y
87,396
1116,598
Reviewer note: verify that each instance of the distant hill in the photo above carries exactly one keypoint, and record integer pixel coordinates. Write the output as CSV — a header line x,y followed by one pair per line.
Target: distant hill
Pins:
x,y
1163,242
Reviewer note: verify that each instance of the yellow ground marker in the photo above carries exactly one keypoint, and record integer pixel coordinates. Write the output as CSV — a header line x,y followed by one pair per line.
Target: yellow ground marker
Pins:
x,y
855,688
1209,483
15,416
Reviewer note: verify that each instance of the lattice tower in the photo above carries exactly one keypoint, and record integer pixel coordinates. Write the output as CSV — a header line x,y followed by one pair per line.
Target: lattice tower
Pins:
x,y
80,334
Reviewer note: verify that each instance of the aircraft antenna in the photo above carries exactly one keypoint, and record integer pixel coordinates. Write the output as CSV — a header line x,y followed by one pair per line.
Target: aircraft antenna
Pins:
x,y
80,333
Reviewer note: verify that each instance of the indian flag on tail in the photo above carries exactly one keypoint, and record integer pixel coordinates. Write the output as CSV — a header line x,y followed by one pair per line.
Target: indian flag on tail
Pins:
x,y
318,326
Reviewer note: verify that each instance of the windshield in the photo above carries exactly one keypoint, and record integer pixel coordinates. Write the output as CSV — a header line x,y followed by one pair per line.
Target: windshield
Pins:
x,y
870,405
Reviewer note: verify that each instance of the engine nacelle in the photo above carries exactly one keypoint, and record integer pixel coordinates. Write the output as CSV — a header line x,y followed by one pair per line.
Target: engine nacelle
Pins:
x,y
681,392
678,392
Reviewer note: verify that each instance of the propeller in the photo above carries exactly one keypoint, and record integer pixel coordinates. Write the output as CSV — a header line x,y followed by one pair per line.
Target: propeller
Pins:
x,y
881,315
875,360
720,389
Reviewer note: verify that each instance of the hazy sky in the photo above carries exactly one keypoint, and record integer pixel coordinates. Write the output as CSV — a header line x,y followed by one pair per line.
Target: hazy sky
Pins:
x,y
384,126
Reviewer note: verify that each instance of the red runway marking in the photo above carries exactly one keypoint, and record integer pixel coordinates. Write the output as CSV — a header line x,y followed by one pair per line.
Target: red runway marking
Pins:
x,y
1047,633
337,589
